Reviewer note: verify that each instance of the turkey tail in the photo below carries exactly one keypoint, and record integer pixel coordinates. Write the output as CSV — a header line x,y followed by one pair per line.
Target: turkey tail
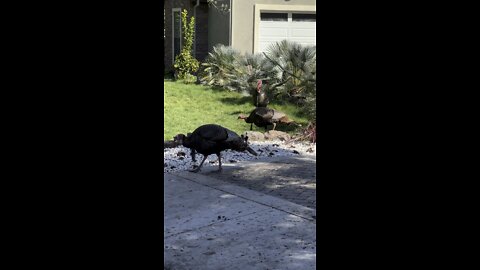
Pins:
x,y
286,120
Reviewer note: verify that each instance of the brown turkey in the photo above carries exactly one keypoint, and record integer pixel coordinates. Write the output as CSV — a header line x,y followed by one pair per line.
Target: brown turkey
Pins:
x,y
213,139
260,98
263,117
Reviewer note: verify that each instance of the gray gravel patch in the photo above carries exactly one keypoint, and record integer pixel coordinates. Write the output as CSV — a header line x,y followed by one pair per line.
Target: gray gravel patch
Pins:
x,y
179,159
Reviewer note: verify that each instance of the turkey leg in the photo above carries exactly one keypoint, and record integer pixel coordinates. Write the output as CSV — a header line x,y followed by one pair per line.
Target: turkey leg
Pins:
x,y
192,152
198,169
219,162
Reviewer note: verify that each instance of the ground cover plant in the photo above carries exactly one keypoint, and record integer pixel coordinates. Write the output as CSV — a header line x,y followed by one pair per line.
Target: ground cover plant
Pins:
x,y
188,106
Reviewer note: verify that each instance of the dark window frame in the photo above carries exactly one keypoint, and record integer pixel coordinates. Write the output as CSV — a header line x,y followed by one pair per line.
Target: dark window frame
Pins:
x,y
176,39
304,17
274,16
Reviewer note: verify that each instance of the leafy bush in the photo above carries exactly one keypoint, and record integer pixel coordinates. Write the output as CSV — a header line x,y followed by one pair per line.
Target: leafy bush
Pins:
x,y
298,74
227,68
219,67
249,69
185,64
287,69
298,69
189,79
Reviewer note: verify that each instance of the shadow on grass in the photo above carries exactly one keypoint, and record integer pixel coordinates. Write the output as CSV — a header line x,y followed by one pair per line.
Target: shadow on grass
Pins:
x,y
237,101
236,113
291,129
285,128
215,88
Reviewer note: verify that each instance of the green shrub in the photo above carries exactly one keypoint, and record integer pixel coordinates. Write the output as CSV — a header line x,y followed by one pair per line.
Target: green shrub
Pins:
x,y
249,69
227,68
189,79
185,64
298,69
219,67
287,69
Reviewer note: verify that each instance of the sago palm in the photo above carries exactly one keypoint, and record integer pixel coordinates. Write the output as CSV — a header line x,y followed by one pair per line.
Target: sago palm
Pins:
x,y
219,67
297,64
249,69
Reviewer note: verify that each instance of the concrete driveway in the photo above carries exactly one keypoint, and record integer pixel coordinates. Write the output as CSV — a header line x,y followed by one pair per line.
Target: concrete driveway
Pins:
x,y
213,224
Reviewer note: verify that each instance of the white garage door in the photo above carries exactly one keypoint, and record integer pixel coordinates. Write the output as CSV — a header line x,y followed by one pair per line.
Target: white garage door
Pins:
x,y
294,26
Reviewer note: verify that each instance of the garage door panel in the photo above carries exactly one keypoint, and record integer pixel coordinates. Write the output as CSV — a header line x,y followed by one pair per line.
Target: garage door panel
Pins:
x,y
304,39
303,25
272,39
274,23
301,30
273,32
303,33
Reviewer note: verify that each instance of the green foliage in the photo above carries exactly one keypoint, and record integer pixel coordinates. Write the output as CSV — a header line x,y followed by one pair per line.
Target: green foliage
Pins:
x,y
189,79
219,67
297,65
298,69
248,69
187,107
185,64
287,69
228,69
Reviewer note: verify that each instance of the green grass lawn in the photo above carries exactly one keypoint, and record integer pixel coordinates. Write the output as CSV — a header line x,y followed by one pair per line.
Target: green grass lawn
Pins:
x,y
187,107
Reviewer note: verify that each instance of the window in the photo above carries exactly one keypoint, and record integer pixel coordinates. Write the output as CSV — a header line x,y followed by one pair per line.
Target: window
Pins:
x,y
177,32
299,17
274,17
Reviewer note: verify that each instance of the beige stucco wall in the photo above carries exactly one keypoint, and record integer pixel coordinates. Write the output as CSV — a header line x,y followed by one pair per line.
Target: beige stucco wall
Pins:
x,y
244,18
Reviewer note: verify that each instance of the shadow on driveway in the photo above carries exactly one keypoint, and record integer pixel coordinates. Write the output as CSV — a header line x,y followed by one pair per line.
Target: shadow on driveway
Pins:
x,y
292,178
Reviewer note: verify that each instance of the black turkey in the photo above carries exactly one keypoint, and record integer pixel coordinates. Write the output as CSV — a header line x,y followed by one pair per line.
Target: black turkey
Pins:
x,y
212,139
260,98
263,117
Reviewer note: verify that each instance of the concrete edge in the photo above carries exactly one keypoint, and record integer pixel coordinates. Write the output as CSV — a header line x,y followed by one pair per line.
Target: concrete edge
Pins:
x,y
252,195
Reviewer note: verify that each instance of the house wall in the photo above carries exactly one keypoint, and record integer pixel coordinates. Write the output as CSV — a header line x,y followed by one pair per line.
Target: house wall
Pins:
x,y
201,32
243,19
201,29
218,27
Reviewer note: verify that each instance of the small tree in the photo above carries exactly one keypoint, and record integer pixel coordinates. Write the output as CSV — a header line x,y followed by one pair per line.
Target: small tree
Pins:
x,y
185,64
